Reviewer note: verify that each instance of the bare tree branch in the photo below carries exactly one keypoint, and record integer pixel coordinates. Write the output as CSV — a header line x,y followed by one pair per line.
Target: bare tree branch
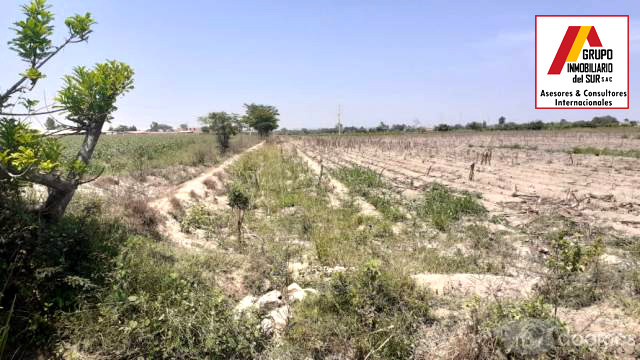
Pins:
x,y
15,176
92,179
34,114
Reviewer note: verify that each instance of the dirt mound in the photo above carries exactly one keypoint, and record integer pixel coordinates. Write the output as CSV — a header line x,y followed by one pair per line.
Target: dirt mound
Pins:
x,y
482,285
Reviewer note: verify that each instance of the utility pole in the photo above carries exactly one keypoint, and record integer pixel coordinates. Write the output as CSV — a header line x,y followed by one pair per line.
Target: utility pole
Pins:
x,y
339,120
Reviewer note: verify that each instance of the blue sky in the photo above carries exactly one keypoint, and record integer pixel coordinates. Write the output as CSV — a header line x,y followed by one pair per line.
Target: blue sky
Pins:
x,y
392,61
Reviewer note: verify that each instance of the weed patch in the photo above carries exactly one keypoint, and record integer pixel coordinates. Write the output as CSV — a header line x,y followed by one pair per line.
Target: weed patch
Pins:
x,y
516,330
574,275
370,313
370,185
158,305
589,150
443,207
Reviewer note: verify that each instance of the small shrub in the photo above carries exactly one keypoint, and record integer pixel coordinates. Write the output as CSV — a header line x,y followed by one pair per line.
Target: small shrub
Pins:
x,y
177,210
574,276
269,268
516,330
361,311
480,236
239,202
198,217
635,282
431,260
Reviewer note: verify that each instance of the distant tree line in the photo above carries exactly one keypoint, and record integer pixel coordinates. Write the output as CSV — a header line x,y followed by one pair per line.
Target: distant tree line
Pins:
x,y
380,128
596,122
155,127
123,128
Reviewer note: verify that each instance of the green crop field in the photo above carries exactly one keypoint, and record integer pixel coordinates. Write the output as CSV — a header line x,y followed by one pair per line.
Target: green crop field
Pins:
x,y
124,154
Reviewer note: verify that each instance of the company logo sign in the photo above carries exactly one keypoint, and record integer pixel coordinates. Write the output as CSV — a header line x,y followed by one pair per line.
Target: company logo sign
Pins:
x,y
587,68
572,44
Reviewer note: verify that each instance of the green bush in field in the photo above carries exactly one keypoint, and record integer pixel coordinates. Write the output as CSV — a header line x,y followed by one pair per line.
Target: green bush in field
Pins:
x,y
442,207
573,278
48,270
159,306
524,329
358,312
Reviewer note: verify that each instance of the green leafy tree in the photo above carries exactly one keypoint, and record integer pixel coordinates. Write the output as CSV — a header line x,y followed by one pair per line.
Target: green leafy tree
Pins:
x,y
382,127
224,125
50,124
239,201
87,100
155,127
263,118
604,121
184,126
442,127
502,120
123,128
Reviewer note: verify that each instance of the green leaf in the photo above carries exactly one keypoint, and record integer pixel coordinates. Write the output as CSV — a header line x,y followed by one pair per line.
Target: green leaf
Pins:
x,y
79,25
32,41
33,74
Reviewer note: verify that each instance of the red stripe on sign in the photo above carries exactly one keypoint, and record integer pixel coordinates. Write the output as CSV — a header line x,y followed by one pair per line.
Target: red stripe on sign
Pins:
x,y
593,38
563,51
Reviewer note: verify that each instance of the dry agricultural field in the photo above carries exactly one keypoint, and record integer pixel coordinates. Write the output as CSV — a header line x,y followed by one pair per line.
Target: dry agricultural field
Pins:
x,y
528,173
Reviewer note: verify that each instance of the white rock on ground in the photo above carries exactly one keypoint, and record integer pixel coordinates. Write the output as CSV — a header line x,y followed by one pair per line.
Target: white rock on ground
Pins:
x,y
270,300
246,303
276,321
277,307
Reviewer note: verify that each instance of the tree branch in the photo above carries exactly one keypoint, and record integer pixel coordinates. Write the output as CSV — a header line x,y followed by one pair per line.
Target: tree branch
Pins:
x,y
11,175
48,180
4,97
34,114
92,179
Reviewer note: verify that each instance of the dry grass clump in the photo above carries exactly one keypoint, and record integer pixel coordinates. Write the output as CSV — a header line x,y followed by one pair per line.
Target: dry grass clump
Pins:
x,y
106,181
209,183
177,209
141,217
